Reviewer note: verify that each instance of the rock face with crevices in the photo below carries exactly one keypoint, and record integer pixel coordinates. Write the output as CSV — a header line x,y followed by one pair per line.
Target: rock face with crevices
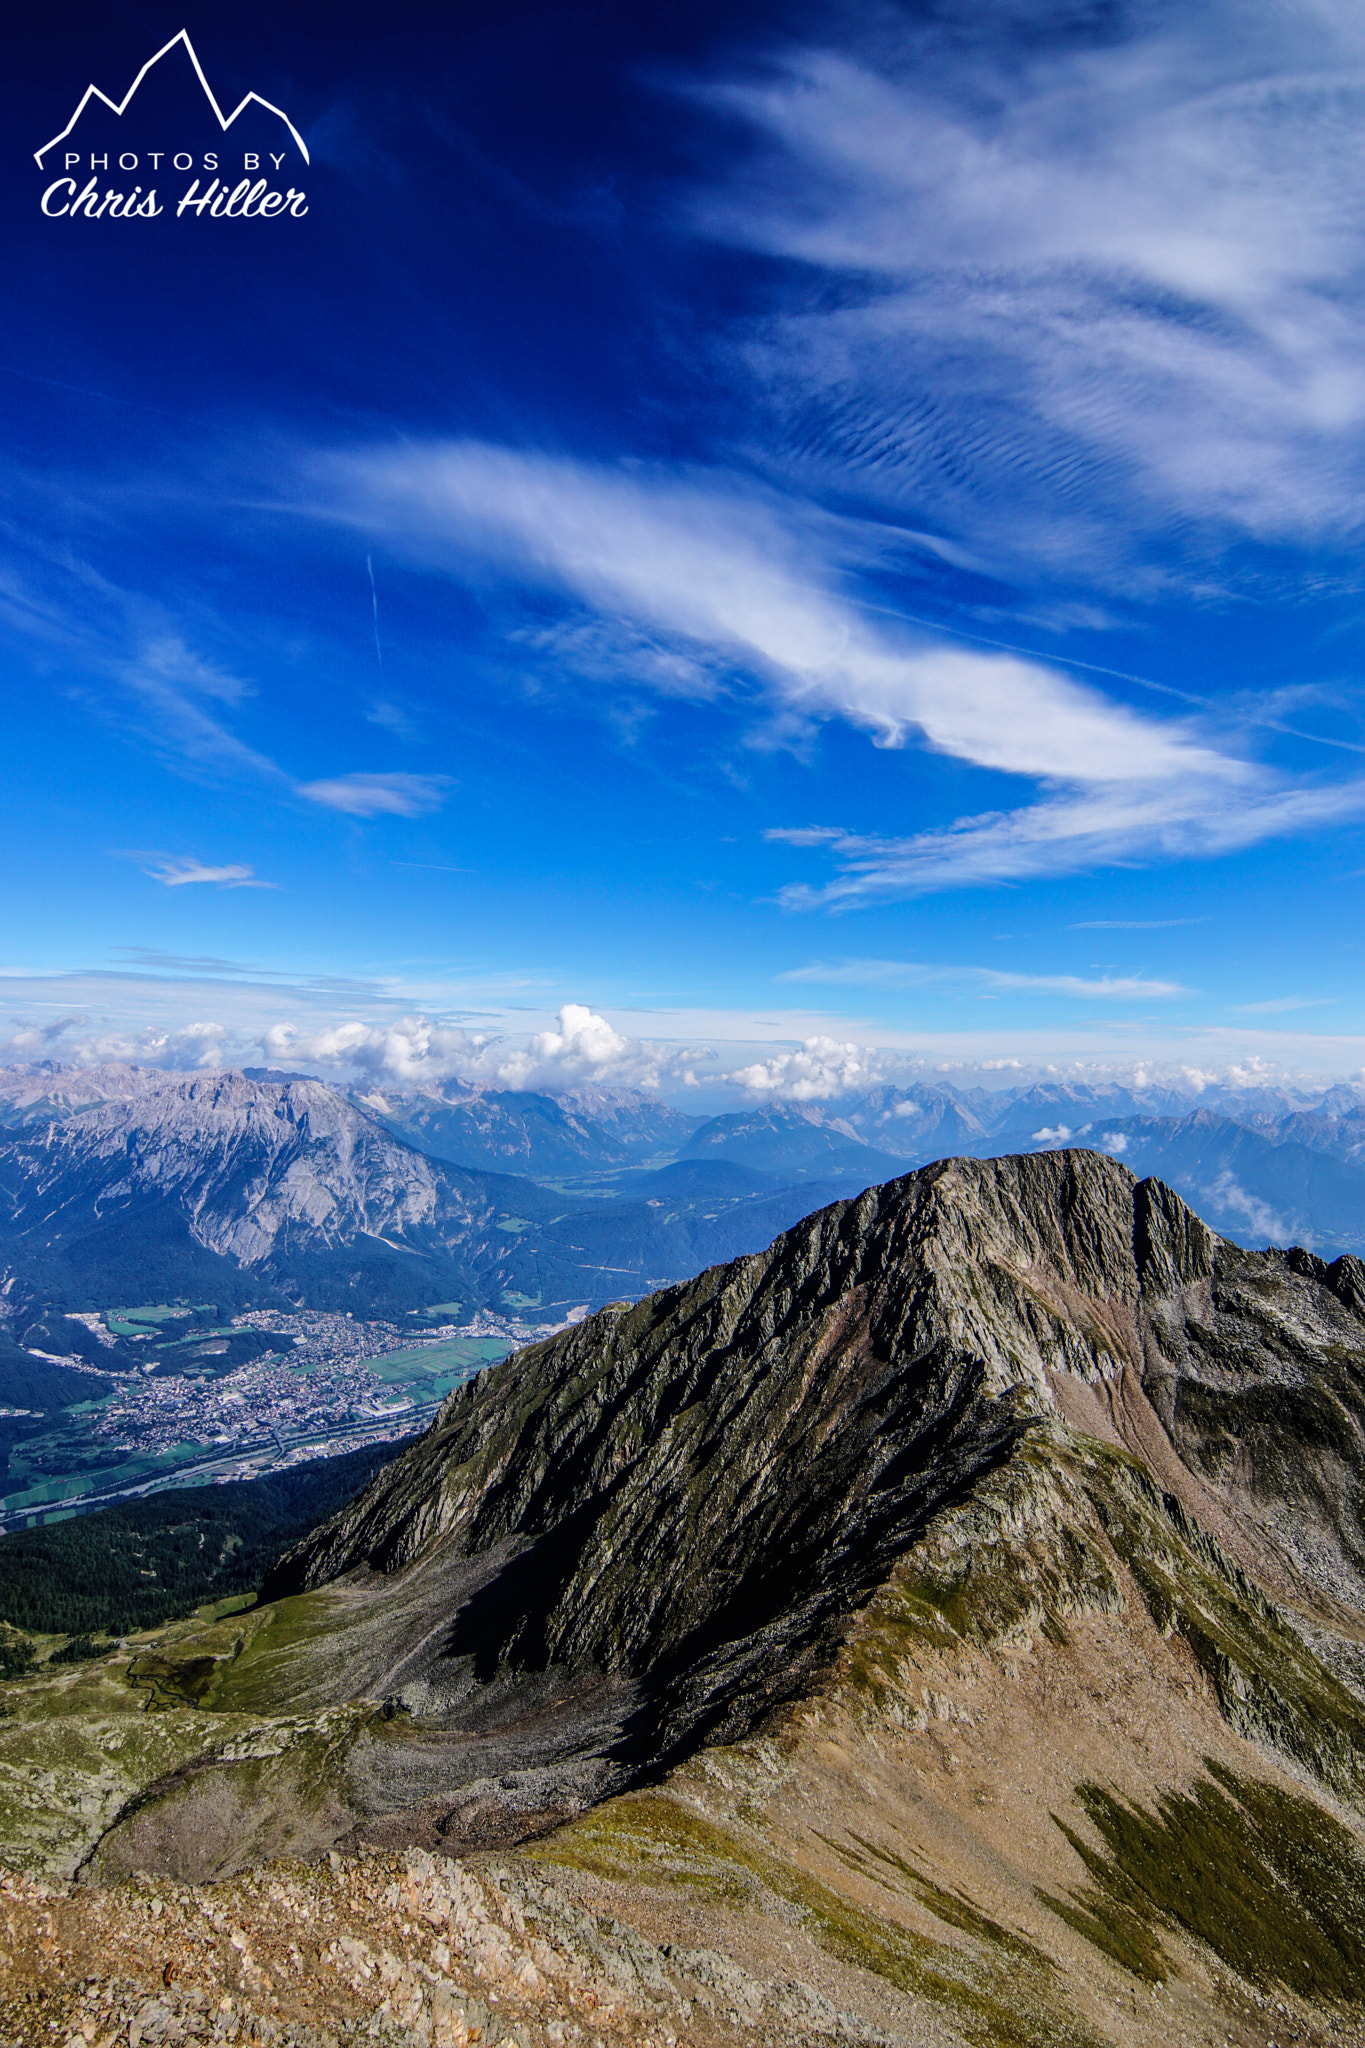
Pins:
x,y
268,1188
696,1492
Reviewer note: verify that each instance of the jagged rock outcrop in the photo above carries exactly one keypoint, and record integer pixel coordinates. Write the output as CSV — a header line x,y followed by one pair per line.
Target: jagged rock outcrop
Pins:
x,y
694,1493
285,1181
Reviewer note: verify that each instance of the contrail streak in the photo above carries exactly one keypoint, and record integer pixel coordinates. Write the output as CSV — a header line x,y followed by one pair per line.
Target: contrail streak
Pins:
x,y
374,600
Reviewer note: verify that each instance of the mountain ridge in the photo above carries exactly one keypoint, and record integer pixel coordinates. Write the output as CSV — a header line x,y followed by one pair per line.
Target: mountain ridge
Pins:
x,y
855,1334
968,1589
257,1188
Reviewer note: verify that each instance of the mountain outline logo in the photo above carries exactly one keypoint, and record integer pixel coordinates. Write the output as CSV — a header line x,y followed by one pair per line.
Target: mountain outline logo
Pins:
x,y
225,121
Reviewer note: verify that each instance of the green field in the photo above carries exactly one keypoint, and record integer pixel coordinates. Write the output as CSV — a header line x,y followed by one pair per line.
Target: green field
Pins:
x,y
134,1470
429,1371
155,1312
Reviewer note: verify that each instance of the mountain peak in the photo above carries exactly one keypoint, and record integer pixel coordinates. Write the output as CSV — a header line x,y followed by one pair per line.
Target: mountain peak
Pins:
x,y
783,1427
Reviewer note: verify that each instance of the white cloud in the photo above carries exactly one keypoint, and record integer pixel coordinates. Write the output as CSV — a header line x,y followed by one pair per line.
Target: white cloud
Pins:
x,y
1279,1003
374,796
402,1053
720,568
182,696
393,718
176,872
190,1046
730,579
820,1070
1074,288
587,1049
984,981
411,1051
1183,819
1229,1194
40,1041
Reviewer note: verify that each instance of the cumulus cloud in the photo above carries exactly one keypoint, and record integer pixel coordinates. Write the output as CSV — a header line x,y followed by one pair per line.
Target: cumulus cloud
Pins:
x,y
375,796
821,1069
178,1050
410,1052
402,1053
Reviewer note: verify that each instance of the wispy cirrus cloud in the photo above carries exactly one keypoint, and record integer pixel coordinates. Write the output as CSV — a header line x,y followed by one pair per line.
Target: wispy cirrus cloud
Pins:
x,y
145,670
741,584
176,871
720,568
1278,1004
982,981
378,795
184,699
1186,818
1075,285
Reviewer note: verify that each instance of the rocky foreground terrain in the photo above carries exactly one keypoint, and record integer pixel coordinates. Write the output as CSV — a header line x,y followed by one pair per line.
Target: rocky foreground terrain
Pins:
x,y
946,1626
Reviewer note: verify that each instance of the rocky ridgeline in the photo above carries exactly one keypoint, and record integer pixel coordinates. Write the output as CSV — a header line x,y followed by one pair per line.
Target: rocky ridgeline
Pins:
x,y
696,1491
414,1950
244,1160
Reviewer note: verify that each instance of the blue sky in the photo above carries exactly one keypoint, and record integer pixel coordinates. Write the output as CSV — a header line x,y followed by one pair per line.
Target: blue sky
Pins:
x,y
760,525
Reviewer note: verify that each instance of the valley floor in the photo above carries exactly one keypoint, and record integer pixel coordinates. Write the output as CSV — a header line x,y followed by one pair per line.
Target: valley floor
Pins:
x,y
333,1383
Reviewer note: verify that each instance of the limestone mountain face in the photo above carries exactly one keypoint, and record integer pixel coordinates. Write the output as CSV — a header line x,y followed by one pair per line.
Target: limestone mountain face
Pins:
x,y
234,1187
267,1175
43,1091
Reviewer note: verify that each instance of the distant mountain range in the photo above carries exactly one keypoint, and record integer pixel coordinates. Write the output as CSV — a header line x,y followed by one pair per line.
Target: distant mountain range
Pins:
x,y
238,1190
119,1182
573,1136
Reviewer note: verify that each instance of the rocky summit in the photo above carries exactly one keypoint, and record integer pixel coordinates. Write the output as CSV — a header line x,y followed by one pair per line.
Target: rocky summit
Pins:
x,y
950,1620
